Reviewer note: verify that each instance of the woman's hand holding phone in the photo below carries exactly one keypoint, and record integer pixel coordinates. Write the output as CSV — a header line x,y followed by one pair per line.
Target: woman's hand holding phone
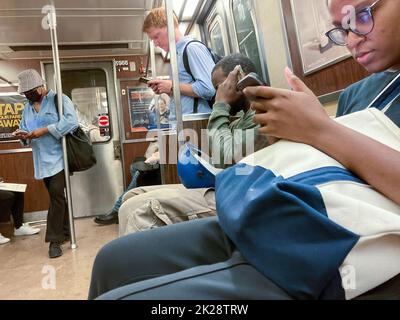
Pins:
x,y
20,134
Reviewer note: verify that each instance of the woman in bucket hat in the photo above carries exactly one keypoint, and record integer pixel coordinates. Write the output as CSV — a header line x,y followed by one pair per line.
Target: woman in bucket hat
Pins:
x,y
43,128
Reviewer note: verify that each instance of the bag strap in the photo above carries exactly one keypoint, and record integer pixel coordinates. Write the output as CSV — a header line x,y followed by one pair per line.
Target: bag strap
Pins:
x,y
186,64
185,57
388,95
56,105
386,98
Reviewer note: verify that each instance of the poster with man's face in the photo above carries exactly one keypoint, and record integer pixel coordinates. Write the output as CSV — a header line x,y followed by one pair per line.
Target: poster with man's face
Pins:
x,y
11,107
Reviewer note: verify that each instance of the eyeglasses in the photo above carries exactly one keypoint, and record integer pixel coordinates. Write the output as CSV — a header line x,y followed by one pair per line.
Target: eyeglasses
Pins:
x,y
364,24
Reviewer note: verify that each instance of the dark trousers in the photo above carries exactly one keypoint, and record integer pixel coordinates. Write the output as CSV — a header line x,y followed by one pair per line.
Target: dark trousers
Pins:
x,y
185,261
12,203
57,218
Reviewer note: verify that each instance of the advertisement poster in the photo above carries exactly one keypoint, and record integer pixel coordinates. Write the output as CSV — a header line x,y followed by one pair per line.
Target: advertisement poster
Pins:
x,y
312,21
11,107
142,110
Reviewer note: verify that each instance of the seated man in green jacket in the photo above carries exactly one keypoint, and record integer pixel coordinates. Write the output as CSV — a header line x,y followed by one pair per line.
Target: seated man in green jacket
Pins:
x,y
149,207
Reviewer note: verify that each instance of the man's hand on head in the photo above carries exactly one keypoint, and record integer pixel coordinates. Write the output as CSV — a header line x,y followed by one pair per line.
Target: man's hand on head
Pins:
x,y
227,92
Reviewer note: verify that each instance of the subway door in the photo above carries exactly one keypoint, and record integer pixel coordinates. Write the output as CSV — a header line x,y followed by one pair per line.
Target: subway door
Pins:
x,y
91,87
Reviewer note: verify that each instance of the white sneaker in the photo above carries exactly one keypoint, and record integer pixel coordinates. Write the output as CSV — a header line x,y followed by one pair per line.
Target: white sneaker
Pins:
x,y
3,239
25,230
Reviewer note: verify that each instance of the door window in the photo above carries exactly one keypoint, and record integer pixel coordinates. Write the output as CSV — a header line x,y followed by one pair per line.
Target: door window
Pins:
x,y
88,92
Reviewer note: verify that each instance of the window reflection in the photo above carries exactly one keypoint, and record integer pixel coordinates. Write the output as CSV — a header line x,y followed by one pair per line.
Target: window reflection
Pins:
x,y
245,32
217,40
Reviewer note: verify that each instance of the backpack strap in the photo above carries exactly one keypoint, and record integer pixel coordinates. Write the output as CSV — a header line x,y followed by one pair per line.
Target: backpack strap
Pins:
x,y
185,57
186,64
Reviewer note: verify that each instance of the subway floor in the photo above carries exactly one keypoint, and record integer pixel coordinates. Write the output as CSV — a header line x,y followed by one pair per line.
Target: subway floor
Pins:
x,y
26,272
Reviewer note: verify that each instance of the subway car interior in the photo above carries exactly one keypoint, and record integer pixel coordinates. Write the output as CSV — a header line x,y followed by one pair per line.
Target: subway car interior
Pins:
x,y
122,79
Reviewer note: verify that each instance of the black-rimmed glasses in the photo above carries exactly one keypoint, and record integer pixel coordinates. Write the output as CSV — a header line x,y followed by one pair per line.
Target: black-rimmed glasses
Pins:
x,y
364,24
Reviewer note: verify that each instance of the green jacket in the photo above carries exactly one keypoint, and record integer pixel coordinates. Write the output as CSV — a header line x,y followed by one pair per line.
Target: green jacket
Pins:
x,y
230,141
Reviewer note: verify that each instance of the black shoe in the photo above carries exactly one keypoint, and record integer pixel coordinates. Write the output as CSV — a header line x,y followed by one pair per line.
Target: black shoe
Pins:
x,y
108,218
66,239
55,250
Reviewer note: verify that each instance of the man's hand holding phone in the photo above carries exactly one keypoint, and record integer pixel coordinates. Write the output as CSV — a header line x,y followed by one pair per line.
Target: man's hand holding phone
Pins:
x,y
160,86
144,79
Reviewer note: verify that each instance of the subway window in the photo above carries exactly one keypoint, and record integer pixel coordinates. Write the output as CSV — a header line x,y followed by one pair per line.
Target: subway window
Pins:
x,y
88,92
217,39
245,31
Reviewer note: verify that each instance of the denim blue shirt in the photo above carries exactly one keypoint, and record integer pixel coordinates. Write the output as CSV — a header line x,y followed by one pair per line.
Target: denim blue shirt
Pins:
x,y
47,150
201,64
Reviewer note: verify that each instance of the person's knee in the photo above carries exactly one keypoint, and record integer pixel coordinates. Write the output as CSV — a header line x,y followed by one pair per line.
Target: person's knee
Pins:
x,y
103,266
101,272
115,258
123,213
131,193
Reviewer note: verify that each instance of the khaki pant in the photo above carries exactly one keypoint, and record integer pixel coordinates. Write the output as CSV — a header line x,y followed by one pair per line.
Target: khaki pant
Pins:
x,y
155,206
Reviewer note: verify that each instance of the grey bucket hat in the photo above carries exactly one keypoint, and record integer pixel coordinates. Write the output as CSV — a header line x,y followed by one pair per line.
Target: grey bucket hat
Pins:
x,y
28,80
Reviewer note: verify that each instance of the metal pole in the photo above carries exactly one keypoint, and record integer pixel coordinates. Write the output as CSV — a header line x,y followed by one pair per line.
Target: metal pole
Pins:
x,y
161,148
52,22
174,68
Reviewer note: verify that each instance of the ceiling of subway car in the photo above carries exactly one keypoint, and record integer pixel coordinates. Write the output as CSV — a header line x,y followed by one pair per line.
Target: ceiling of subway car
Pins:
x,y
90,27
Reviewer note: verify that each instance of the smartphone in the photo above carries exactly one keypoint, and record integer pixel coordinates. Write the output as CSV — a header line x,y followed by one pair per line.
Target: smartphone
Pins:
x,y
251,80
144,79
19,131
241,74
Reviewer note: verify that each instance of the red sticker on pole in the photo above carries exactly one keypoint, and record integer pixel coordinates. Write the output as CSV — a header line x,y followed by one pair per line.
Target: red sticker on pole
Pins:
x,y
104,121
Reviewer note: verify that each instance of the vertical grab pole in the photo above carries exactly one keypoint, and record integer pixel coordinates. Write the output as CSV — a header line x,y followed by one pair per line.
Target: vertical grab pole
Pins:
x,y
52,25
161,147
175,71
152,58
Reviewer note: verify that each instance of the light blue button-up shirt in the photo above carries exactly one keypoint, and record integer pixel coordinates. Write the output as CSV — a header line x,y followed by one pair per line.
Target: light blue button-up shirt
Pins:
x,y
47,150
201,65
